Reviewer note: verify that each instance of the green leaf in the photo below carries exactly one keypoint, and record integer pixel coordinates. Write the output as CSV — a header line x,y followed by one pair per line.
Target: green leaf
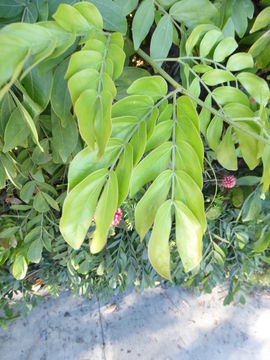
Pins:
x,y
142,22
242,9
11,55
117,55
82,80
262,20
192,12
64,138
263,243
162,133
158,248
195,35
248,180
225,48
11,8
103,123
229,94
226,154
38,87
2,176
255,86
248,145
148,205
150,167
42,157
91,14
34,252
240,61
129,74
79,207
39,203
29,121
153,86
260,45
266,170
162,38
188,192
19,268
201,68
186,159
16,131
85,108
112,14
252,207
105,211
138,143
217,76
71,19
60,98
133,105
208,41
123,172
205,115
7,106
188,126
127,6
188,236
214,132
27,191
123,126
9,232
85,162
51,201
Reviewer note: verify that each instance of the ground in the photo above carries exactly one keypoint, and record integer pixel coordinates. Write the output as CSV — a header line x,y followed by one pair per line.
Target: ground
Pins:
x,y
160,324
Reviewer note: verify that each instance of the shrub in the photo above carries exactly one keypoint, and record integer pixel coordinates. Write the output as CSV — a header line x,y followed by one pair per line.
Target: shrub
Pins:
x,y
93,129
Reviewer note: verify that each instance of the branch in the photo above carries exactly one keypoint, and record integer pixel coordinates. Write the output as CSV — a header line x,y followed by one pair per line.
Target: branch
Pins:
x,y
184,91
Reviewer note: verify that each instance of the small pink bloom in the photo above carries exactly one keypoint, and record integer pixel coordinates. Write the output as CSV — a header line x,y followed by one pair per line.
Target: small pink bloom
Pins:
x,y
117,217
229,181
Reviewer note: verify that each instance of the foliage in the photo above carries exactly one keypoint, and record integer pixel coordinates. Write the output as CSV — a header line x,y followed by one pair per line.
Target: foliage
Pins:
x,y
84,132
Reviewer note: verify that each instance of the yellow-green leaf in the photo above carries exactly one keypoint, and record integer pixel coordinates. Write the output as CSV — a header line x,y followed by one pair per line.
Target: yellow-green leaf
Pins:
x,y
255,86
79,207
217,76
150,167
225,48
154,86
19,268
158,248
147,207
188,236
105,211
123,172
226,153
240,61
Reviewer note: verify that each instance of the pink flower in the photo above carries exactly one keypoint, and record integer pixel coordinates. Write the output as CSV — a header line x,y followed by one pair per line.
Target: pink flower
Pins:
x,y
117,217
229,181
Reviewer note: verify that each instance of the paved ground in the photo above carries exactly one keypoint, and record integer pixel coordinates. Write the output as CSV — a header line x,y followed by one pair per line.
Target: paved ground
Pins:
x,y
159,324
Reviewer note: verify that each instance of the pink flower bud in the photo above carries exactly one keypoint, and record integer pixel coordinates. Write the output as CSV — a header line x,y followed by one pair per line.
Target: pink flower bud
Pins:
x,y
117,217
229,181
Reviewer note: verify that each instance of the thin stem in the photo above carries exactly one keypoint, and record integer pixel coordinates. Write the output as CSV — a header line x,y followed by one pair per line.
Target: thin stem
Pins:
x,y
194,58
201,103
216,183
138,125
203,84
174,145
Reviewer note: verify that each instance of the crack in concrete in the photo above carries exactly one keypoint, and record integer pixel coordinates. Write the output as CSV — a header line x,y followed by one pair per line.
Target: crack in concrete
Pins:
x,y
101,330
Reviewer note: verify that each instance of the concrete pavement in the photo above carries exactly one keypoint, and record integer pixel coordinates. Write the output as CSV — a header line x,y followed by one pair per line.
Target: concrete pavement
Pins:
x,y
165,324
